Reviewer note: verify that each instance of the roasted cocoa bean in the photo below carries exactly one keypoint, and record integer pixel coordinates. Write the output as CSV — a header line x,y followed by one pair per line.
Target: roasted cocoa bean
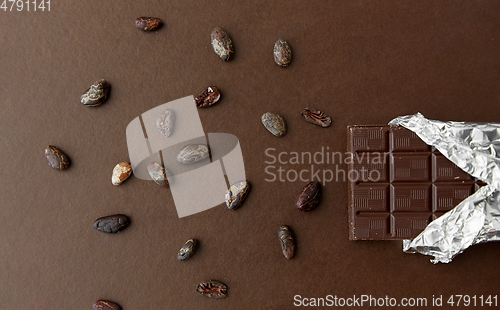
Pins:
x,y
165,123
316,117
222,44
282,53
212,289
236,194
148,23
96,94
193,153
105,305
209,97
309,197
121,172
111,223
56,158
287,242
158,174
187,249
274,123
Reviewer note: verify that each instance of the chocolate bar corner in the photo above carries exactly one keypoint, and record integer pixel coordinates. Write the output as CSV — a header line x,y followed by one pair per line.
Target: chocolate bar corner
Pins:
x,y
398,184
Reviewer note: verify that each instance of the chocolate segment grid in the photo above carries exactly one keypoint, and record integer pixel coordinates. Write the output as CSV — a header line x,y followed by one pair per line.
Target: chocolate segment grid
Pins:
x,y
398,184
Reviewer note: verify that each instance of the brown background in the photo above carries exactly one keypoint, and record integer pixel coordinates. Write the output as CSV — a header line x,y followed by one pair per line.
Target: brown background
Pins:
x,y
362,62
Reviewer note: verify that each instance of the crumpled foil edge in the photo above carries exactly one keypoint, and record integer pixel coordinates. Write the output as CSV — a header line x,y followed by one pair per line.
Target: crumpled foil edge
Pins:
x,y
475,148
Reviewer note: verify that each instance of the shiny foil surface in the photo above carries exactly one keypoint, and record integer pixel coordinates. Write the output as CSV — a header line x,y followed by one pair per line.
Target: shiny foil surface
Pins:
x,y
474,148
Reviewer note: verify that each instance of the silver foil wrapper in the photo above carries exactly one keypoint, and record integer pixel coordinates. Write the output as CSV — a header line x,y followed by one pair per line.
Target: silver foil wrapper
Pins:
x,y
476,149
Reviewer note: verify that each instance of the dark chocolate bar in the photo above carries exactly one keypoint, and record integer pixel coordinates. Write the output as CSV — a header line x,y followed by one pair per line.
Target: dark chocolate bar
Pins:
x,y
398,184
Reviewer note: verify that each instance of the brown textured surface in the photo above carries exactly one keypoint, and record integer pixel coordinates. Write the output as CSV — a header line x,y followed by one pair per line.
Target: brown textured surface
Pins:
x,y
417,184
362,62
